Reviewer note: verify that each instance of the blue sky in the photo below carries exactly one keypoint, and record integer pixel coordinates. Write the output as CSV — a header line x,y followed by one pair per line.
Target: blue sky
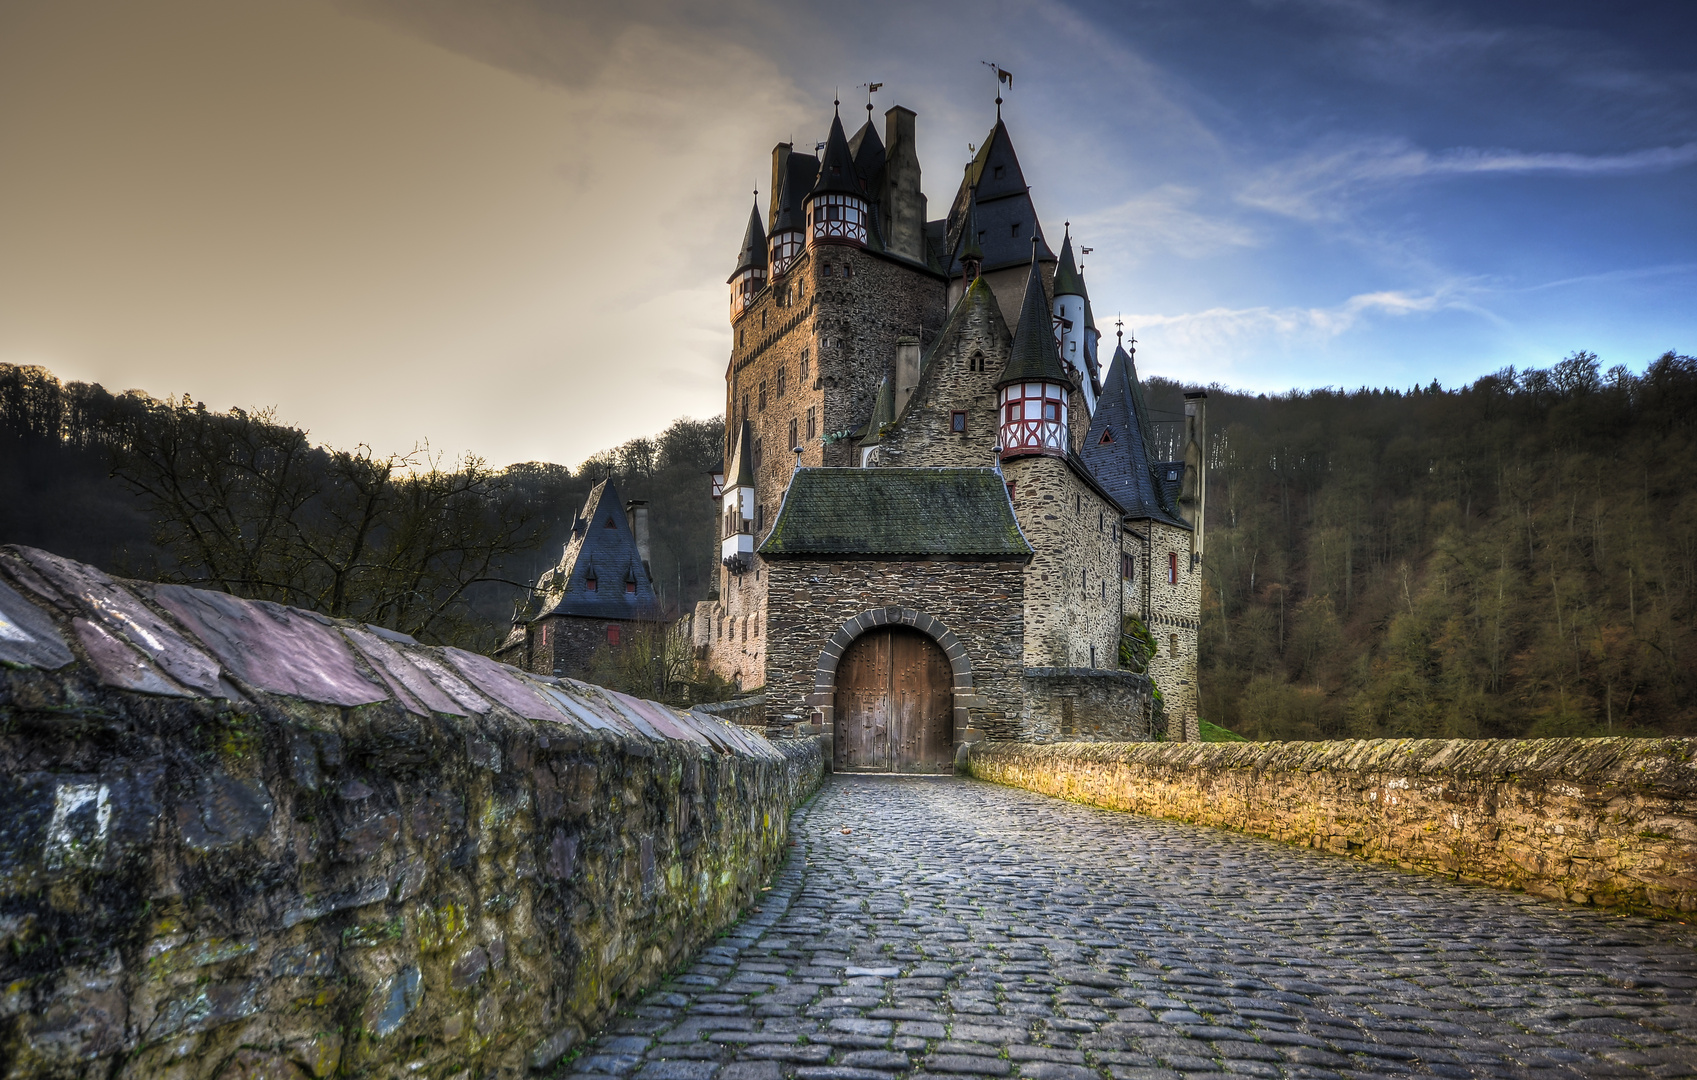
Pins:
x,y
504,227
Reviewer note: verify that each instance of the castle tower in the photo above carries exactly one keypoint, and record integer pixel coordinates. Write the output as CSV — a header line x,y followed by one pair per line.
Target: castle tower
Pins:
x,y
1072,327
837,210
1032,393
749,277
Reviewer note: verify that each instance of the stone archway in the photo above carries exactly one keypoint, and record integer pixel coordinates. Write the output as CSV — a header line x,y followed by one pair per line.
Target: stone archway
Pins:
x,y
824,696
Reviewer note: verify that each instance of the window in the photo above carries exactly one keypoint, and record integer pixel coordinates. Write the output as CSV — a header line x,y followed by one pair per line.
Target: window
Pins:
x,y
1104,588
1084,582
1172,568
630,588
1010,490
1101,520
975,362
739,339
957,422
848,271
806,366
1078,502
612,633
1092,656
758,451
812,424
1107,436
996,174
744,413
762,320
1172,646
762,395
1013,230
825,270
783,381
1126,563
590,584
609,524
794,440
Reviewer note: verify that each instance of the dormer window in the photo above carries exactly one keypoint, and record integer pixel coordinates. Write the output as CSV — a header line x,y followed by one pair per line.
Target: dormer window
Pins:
x,y
630,588
996,174
1107,436
609,524
1013,230
590,584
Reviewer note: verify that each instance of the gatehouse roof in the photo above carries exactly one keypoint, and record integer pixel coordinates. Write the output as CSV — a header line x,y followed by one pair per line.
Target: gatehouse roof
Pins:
x,y
897,512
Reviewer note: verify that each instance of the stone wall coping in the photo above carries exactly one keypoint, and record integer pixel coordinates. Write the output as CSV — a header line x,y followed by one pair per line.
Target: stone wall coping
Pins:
x,y
1117,674
1666,766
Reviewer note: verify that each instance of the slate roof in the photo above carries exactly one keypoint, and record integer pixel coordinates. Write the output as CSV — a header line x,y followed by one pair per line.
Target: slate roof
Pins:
x,y
837,173
742,455
1067,281
1034,355
867,512
752,255
1126,466
1003,202
602,547
800,170
869,153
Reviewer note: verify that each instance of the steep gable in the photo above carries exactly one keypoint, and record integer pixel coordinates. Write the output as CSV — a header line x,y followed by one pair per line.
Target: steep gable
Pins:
x,y
602,549
1119,448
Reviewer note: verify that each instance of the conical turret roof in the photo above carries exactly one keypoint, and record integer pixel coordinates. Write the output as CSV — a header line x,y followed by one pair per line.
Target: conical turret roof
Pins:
x,y
1034,356
1119,448
1067,281
837,173
752,256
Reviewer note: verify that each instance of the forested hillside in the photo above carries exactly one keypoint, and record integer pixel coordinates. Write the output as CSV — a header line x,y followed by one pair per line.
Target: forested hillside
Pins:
x,y
239,501
1516,557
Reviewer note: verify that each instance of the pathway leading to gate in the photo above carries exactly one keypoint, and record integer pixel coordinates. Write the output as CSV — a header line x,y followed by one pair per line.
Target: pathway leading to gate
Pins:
x,y
955,928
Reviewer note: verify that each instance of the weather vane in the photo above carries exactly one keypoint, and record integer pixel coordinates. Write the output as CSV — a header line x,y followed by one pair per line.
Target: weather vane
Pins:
x,y
1003,75
870,88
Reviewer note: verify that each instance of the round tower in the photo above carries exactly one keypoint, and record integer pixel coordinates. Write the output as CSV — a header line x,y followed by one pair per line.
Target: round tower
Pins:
x,y
1032,394
837,210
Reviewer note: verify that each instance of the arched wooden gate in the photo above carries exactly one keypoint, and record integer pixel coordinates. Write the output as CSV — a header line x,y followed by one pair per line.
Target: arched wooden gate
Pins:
x,y
894,704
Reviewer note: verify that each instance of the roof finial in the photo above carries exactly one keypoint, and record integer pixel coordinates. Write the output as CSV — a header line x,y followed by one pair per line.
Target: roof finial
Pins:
x,y
1119,329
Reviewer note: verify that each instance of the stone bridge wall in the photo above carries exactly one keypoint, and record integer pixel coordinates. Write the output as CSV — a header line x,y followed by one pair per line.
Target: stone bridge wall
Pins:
x,y
1602,821
242,841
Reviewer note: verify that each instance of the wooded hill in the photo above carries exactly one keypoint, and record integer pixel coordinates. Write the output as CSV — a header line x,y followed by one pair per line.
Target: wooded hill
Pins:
x,y
1515,557
438,548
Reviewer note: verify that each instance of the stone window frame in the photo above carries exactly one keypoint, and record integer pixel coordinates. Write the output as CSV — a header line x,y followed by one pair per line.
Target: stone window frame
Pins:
x,y
823,699
957,422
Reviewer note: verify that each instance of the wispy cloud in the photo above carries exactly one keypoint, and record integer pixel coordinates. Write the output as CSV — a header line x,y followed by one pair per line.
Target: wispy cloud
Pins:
x,y
1165,218
1320,185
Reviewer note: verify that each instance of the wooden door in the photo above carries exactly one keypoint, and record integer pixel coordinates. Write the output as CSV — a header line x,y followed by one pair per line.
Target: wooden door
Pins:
x,y
894,704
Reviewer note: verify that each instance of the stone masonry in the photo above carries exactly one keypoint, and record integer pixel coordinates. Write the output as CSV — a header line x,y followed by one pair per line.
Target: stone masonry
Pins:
x,y
938,928
1172,618
977,603
1604,821
1072,587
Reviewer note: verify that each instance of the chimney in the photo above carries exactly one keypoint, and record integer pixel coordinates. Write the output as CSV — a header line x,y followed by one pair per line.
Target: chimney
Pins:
x,y
901,177
1193,495
780,159
907,369
637,511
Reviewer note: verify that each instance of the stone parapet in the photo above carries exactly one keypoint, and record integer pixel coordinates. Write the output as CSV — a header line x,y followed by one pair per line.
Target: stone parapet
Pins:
x,y
1086,704
238,839
1611,822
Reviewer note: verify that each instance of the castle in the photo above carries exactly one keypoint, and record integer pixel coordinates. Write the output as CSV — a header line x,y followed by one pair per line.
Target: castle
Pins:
x,y
938,512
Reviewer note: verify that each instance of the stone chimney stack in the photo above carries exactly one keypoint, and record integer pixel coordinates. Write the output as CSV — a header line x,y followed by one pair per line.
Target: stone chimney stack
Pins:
x,y
905,204
780,160
637,511
1193,495
907,370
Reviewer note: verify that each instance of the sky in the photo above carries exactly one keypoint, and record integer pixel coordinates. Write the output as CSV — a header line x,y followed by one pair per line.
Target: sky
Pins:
x,y
503,227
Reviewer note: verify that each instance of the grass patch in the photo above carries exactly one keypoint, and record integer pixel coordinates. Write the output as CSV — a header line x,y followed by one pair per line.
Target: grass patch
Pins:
x,y
1216,733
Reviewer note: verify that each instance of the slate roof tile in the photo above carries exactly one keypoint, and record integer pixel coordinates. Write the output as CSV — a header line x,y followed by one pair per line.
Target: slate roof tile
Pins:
x,y
896,511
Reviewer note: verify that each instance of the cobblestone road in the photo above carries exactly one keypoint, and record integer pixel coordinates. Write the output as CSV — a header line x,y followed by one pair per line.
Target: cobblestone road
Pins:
x,y
950,928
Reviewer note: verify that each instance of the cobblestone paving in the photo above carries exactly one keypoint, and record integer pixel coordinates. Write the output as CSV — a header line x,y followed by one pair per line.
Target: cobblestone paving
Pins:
x,y
946,929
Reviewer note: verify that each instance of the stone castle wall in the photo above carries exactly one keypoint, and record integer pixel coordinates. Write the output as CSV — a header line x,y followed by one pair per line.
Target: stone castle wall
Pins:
x,y
960,376
1611,822
1174,619
1072,586
1086,705
241,840
979,602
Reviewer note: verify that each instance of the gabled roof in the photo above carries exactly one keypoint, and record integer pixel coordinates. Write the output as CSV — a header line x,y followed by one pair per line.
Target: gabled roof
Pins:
x,y
800,170
837,172
753,253
602,547
925,512
1067,281
1034,355
1125,463
1007,219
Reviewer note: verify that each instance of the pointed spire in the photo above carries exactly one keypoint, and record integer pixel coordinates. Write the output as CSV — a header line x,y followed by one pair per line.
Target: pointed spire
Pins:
x,y
972,253
837,172
1067,279
744,476
883,413
1034,357
752,255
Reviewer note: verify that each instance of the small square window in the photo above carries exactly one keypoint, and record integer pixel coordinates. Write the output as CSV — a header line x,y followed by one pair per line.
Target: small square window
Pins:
x,y
590,584
957,422
630,588
1010,490
997,174
1013,230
